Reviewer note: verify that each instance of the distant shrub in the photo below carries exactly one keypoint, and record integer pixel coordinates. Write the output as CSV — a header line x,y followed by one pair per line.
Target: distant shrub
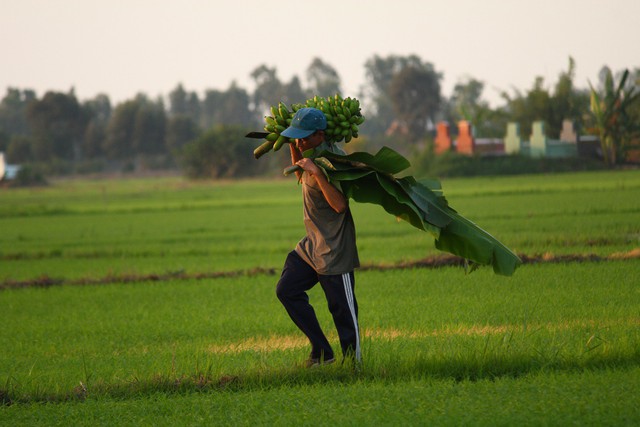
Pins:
x,y
453,164
90,166
222,152
28,176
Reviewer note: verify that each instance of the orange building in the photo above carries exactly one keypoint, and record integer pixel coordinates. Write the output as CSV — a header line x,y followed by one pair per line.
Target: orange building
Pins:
x,y
465,143
443,138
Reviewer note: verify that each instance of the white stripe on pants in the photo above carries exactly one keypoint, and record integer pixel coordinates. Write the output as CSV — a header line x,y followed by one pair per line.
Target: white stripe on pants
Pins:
x,y
348,290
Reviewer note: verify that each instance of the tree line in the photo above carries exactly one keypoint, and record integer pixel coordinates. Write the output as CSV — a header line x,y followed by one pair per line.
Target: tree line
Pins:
x,y
204,133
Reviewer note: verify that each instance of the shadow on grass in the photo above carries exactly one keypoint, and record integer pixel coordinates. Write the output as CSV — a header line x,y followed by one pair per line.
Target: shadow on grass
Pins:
x,y
420,368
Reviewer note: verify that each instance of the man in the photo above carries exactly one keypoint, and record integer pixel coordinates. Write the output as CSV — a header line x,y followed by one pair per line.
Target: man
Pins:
x,y
327,254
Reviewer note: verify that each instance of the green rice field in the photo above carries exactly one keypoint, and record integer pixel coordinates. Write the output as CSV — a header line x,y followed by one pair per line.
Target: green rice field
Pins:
x,y
151,301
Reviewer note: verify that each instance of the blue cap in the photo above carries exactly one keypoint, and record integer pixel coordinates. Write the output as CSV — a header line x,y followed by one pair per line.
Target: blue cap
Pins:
x,y
305,122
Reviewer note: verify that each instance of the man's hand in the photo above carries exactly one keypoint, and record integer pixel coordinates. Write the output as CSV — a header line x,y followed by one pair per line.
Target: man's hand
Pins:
x,y
309,166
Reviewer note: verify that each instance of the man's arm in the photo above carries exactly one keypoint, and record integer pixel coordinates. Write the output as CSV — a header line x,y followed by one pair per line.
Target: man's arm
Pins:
x,y
334,197
296,155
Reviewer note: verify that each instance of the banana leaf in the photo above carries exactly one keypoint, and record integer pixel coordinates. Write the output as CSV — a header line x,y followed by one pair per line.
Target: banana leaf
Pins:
x,y
368,178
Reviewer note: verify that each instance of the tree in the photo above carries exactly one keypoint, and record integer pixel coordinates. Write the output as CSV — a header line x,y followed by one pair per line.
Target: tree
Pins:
x,y
466,98
634,108
466,103
323,79
211,103
379,75
180,131
539,102
534,106
4,140
235,108
269,89
611,116
227,108
221,152
184,103
149,127
292,92
98,113
93,140
136,130
119,140
13,107
567,102
178,103
415,95
57,124
19,150
380,71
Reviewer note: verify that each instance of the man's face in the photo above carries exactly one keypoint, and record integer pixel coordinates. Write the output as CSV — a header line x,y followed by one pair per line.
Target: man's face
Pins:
x,y
312,141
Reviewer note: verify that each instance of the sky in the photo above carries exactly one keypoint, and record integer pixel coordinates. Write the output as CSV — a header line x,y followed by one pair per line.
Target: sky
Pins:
x,y
124,47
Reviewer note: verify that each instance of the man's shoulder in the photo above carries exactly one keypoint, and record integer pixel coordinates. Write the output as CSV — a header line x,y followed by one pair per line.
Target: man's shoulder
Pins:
x,y
337,150
330,147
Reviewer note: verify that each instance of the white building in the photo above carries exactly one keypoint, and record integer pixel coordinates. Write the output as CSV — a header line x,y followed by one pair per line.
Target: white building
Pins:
x,y
7,171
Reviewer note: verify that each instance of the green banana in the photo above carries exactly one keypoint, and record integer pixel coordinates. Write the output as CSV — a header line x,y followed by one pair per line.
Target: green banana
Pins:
x,y
343,120
355,106
264,148
291,169
324,162
284,112
280,142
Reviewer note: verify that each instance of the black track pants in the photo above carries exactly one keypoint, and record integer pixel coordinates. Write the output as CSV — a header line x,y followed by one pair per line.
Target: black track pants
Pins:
x,y
296,279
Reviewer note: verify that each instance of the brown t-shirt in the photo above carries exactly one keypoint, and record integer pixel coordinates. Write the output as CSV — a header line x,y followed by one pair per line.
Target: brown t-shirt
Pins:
x,y
330,244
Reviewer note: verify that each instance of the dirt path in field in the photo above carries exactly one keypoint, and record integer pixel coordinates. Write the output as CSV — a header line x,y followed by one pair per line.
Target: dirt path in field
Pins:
x,y
429,262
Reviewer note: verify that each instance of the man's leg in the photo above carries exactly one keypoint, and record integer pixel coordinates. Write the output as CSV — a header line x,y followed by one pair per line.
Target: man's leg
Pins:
x,y
339,290
297,278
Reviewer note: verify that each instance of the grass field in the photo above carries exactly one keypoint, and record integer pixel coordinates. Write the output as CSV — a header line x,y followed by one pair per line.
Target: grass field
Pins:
x,y
151,302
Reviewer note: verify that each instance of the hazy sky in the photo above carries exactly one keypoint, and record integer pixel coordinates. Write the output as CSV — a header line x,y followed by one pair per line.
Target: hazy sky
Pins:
x,y
122,47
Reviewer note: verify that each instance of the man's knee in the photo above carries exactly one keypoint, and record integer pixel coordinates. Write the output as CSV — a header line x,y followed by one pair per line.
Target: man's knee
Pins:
x,y
281,291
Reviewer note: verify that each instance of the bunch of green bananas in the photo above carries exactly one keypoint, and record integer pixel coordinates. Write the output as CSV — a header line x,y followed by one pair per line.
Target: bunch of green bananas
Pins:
x,y
276,123
343,118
